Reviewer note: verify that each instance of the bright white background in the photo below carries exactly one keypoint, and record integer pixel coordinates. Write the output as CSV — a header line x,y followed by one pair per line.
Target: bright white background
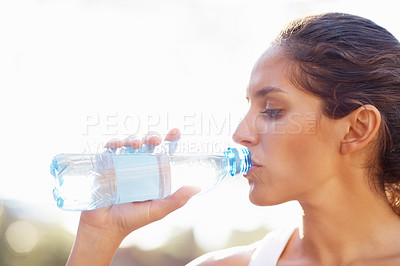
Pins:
x,y
74,74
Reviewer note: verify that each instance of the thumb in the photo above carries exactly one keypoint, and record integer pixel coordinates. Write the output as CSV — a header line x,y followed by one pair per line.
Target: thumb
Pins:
x,y
162,207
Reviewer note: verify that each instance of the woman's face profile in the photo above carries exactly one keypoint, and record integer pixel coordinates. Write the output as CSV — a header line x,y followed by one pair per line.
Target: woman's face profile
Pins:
x,y
294,147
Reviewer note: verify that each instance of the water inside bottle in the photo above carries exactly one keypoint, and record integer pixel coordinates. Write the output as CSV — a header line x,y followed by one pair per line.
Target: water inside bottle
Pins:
x,y
83,181
141,176
90,181
203,171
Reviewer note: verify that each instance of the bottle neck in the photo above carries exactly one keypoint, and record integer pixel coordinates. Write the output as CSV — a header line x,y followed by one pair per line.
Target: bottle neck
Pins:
x,y
239,160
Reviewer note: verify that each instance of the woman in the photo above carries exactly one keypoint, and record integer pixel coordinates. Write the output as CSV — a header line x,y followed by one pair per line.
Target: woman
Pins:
x,y
323,128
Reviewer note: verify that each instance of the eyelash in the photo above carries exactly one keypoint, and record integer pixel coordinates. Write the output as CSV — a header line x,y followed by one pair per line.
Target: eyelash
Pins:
x,y
272,113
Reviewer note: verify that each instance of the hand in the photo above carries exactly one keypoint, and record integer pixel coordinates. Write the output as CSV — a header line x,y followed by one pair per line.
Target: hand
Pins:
x,y
102,230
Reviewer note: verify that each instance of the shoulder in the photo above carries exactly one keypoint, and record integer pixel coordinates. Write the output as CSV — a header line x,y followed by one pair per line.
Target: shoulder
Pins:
x,y
227,257
269,249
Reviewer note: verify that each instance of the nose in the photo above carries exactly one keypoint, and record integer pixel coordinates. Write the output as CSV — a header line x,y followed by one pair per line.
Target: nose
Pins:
x,y
244,133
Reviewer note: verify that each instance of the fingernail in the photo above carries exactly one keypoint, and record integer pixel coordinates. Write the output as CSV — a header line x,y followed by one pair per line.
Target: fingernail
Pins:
x,y
153,138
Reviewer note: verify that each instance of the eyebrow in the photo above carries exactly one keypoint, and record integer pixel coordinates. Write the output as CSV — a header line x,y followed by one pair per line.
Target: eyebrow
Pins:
x,y
265,91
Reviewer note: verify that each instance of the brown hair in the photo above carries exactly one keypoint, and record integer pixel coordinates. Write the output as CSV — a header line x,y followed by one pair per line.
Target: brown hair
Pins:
x,y
349,61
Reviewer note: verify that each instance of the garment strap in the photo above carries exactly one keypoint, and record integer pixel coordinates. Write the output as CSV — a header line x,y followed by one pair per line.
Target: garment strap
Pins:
x,y
271,247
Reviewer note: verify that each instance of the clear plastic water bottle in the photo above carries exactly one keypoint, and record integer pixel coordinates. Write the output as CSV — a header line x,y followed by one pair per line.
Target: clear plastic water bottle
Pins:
x,y
91,181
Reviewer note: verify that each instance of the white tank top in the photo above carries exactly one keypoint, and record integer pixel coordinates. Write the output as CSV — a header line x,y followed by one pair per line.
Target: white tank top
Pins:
x,y
269,249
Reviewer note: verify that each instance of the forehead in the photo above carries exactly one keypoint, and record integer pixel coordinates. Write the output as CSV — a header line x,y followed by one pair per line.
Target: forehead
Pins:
x,y
270,73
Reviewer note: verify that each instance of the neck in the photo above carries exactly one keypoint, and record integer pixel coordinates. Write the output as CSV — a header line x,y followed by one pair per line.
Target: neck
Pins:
x,y
357,225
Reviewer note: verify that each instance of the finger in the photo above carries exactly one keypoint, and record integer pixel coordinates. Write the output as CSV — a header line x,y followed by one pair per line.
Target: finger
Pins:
x,y
173,134
172,138
133,141
153,138
114,144
161,208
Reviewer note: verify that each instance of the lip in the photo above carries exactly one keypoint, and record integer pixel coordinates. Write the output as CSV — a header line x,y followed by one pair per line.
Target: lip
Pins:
x,y
253,167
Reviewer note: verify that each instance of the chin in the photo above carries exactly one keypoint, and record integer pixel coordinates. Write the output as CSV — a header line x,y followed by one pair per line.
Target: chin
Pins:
x,y
257,199
262,198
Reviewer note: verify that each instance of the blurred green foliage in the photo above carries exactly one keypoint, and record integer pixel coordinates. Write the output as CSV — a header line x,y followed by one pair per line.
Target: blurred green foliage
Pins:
x,y
180,249
53,244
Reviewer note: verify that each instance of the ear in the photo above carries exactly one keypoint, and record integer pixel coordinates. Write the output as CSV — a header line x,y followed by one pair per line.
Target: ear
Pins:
x,y
363,125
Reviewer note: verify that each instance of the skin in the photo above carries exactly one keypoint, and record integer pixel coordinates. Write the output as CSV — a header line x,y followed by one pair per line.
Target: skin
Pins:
x,y
101,231
298,154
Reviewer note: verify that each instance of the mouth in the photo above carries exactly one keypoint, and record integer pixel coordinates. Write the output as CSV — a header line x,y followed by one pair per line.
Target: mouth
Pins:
x,y
253,167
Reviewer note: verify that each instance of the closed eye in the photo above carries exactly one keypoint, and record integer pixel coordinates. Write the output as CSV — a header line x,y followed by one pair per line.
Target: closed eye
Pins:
x,y
272,113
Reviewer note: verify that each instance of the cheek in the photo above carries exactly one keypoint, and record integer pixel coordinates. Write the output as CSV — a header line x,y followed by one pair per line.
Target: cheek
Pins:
x,y
289,171
299,143
290,155
297,156
294,161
